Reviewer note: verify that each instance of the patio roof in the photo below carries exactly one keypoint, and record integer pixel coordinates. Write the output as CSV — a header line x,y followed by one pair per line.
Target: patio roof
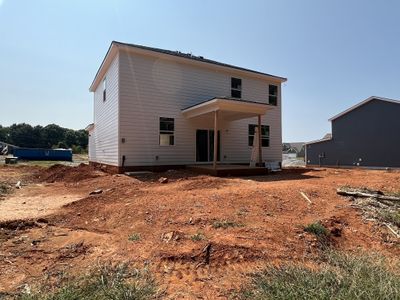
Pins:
x,y
229,109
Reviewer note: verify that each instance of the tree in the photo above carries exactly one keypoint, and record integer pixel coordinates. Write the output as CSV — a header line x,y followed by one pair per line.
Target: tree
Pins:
x,y
52,135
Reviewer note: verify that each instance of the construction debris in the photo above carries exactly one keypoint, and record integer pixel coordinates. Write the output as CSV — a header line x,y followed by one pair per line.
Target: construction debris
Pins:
x,y
163,180
376,206
18,185
96,192
344,191
305,197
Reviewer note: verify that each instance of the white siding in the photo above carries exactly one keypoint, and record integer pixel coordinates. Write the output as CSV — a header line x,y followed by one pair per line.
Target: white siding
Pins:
x,y
151,88
103,142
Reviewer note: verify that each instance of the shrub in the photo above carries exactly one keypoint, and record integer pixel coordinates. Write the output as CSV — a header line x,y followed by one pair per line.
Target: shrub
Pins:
x,y
317,229
197,237
134,237
339,276
225,224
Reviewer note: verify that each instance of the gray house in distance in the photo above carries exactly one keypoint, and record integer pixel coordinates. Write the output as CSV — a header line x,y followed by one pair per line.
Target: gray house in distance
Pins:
x,y
366,135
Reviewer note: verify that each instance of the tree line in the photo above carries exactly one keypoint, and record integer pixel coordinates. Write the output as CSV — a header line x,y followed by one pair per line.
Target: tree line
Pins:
x,y
50,136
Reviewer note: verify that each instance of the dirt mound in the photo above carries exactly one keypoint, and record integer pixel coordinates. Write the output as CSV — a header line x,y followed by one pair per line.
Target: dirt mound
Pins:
x,y
65,173
205,182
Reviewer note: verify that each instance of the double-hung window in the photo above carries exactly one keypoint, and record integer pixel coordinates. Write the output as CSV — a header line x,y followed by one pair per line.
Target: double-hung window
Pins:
x,y
166,131
236,87
264,134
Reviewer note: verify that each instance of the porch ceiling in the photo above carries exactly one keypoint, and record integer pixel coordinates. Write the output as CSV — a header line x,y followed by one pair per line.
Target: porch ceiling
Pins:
x,y
229,109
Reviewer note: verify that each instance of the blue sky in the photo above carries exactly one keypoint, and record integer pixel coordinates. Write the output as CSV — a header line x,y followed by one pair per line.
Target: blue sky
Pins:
x,y
334,53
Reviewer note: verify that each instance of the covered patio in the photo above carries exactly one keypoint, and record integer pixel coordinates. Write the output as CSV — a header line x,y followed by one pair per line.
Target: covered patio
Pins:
x,y
219,109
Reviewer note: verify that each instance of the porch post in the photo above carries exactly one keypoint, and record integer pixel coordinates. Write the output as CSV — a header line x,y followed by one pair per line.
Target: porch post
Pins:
x,y
215,139
259,142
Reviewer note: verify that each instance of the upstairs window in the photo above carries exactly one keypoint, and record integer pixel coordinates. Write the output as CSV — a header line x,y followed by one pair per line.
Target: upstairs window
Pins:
x,y
236,87
104,89
264,134
273,94
166,131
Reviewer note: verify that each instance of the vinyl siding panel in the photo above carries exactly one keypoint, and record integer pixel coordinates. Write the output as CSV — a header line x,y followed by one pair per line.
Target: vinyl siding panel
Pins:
x,y
103,142
151,88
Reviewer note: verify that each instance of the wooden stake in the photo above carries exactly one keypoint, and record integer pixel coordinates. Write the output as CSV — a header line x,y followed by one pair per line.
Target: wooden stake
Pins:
x,y
305,197
392,230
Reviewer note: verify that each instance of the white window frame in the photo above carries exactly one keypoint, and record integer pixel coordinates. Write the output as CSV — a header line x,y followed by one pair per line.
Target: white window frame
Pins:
x,y
237,89
168,132
263,137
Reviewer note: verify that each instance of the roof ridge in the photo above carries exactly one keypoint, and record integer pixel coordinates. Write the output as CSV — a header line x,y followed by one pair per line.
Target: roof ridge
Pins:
x,y
194,57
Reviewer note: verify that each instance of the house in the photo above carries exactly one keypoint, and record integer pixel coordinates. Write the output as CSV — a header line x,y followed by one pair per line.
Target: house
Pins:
x,y
158,109
295,149
367,134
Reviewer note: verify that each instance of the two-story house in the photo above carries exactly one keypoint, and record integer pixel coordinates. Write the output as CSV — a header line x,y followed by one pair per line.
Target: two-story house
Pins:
x,y
159,108
365,135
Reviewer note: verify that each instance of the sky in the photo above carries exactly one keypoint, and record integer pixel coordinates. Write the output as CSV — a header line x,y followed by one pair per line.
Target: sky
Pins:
x,y
334,53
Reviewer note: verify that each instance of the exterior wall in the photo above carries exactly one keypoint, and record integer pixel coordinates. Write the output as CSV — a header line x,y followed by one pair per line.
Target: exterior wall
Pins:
x,y
367,136
151,88
103,140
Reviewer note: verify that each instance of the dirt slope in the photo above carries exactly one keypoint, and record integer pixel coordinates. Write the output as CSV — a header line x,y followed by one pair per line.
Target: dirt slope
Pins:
x,y
174,222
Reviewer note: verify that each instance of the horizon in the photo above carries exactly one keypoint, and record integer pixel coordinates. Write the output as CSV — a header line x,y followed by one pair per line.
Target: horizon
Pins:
x,y
50,61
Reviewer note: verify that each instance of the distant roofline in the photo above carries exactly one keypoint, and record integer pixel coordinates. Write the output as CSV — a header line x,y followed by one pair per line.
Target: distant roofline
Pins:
x,y
362,103
319,141
181,55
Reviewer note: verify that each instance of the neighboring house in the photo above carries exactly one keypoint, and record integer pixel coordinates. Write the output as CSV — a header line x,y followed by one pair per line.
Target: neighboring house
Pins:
x,y
367,134
297,149
155,107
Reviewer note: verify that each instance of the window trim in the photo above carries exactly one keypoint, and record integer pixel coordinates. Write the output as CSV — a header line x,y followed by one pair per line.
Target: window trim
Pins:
x,y
272,95
263,137
169,132
236,89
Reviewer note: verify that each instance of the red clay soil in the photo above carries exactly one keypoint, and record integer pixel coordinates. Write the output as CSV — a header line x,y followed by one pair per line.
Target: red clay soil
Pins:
x,y
178,227
65,173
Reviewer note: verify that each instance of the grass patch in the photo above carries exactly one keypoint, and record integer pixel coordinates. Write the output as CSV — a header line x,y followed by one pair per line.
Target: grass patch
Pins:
x,y
4,189
197,237
339,276
105,282
134,237
389,217
317,229
226,224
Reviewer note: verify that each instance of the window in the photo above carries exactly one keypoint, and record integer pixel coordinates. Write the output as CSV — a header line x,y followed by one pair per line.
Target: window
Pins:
x,y
236,88
166,131
104,89
264,134
273,94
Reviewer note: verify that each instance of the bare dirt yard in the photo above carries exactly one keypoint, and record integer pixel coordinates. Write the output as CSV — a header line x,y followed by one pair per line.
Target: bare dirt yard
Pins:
x,y
199,235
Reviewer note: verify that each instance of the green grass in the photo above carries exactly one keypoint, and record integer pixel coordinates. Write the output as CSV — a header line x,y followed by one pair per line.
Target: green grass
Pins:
x,y
389,217
317,229
225,224
105,282
339,276
197,237
134,237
